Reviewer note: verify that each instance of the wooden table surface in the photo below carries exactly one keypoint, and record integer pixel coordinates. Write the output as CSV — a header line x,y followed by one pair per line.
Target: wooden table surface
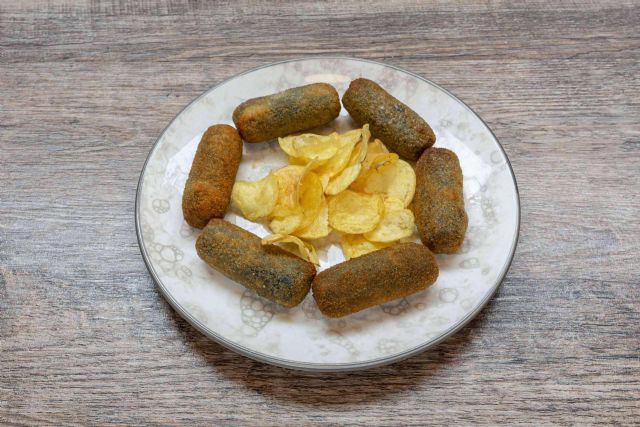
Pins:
x,y
85,90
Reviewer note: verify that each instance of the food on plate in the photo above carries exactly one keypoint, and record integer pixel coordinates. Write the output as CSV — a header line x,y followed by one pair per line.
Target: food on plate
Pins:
x,y
355,213
439,201
336,159
304,250
256,199
355,245
208,188
391,177
268,270
342,182
290,111
375,278
401,129
347,183
397,223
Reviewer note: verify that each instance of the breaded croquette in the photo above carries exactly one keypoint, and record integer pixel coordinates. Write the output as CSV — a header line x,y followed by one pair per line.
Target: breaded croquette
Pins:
x,y
269,271
374,278
395,124
439,201
213,173
283,113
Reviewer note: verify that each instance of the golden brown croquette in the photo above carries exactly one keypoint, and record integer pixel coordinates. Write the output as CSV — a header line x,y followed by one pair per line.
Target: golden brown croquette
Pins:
x,y
374,278
439,201
213,172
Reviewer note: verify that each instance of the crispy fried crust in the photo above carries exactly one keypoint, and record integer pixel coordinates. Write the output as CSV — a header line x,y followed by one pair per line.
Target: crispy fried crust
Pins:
x,y
213,172
283,113
374,278
400,128
439,202
269,271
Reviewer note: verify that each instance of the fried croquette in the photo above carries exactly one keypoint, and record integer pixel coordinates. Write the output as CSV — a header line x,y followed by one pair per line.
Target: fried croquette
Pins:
x,y
213,172
374,278
400,128
290,111
439,201
269,271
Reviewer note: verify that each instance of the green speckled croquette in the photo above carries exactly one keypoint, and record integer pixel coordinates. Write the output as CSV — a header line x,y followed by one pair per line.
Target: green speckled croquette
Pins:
x,y
439,201
290,111
269,271
400,128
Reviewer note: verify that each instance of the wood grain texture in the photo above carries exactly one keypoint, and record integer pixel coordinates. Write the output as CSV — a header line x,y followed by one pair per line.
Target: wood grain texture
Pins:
x,y
87,87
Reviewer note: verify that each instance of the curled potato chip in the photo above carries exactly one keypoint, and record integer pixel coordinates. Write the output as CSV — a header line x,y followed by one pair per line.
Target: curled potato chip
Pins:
x,y
377,147
343,180
343,157
381,160
320,225
288,190
286,224
355,213
294,245
311,197
308,147
392,204
354,245
256,199
349,174
397,180
395,225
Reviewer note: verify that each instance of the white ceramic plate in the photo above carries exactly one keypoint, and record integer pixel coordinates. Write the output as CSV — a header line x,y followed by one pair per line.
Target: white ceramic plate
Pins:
x,y
301,337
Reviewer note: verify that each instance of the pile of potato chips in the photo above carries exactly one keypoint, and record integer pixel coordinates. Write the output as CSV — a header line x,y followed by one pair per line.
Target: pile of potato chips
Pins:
x,y
338,181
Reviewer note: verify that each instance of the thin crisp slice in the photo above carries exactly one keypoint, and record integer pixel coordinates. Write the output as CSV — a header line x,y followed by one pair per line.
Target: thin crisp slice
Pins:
x,y
392,204
342,181
256,199
395,225
311,198
288,185
334,166
287,224
355,213
320,225
396,180
354,245
377,147
308,147
294,245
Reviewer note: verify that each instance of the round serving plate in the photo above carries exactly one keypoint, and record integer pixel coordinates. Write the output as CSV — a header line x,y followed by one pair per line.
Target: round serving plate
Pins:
x,y
302,338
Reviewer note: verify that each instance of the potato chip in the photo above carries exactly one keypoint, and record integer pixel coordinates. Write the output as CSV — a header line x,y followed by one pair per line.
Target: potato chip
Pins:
x,y
342,181
288,185
336,164
395,225
381,160
377,147
294,245
308,147
392,204
256,199
320,225
286,224
355,213
354,245
311,197
396,180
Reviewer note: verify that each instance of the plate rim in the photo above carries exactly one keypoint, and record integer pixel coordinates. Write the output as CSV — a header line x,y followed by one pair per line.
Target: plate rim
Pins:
x,y
310,366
